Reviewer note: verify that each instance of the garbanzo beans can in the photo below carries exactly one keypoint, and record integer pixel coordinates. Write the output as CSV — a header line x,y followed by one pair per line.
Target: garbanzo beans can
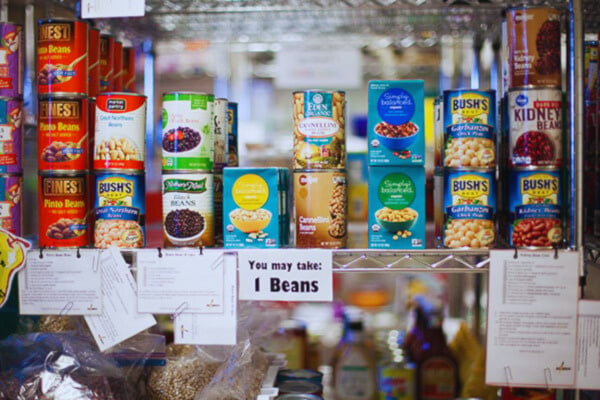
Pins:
x,y
320,208
319,129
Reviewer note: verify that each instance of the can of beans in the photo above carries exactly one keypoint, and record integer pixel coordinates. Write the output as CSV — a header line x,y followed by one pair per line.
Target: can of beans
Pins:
x,y
120,131
11,197
469,208
63,209
535,127
63,133
533,35
232,119
590,69
91,129
438,130
470,128
128,69
535,202
218,206
62,60
319,126
11,135
11,60
221,128
119,209
94,63
117,85
320,202
188,211
188,140
107,59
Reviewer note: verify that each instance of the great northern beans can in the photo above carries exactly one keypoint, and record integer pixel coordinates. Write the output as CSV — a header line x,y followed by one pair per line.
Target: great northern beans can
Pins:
x,y
107,60
11,201
11,135
11,59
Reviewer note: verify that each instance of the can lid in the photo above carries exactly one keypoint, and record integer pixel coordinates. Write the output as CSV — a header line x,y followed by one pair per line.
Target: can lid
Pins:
x,y
534,87
319,91
108,94
525,168
62,96
466,90
62,172
469,169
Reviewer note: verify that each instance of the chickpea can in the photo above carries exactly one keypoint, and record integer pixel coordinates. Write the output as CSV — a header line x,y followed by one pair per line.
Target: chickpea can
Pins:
x,y
11,135
319,129
11,59
63,210
535,202
62,57
120,131
469,208
11,203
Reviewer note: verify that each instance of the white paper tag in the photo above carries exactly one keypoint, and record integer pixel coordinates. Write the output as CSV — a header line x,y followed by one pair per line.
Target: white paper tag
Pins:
x,y
181,280
588,345
532,318
112,8
61,282
212,329
119,320
286,275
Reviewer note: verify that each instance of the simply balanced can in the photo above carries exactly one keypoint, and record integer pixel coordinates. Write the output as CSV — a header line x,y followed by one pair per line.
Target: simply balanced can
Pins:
x,y
11,203
11,59
11,135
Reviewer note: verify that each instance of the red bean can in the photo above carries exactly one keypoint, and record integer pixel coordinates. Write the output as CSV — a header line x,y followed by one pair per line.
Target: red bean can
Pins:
x,y
11,60
62,59
107,59
63,133
11,135
63,210
11,201
128,69
535,127
94,63
533,35
118,68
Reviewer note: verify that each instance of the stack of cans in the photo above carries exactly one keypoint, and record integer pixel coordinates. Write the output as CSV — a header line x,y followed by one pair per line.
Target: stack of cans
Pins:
x,y
592,155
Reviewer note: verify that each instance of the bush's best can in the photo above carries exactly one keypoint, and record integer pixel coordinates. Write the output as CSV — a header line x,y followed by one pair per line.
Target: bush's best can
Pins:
x,y
107,61
221,128
11,203
94,63
11,60
11,135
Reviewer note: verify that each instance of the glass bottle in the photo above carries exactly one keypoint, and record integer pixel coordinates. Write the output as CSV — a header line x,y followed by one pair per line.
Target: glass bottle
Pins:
x,y
395,374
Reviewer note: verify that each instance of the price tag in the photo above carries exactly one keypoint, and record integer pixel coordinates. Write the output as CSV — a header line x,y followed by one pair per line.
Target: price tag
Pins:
x,y
286,275
61,282
588,345
532,318
112,8
119,319
182,280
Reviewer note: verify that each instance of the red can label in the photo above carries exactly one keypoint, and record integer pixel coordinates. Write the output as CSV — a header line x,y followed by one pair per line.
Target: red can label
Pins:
x,y
62,134
118,68
63,210
94,63
62,57
107,59
128,69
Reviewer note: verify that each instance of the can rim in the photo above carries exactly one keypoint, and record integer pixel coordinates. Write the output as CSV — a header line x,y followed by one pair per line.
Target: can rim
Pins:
x,y
319,91
469,169
189,92
535,87
187,172
63,172
107,94
61,19
62,95
136,172
528,168
488,91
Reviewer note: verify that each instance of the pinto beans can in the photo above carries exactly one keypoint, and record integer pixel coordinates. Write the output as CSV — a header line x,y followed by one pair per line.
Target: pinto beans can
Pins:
x,y
62,60
63,134
535,127
107,60
120,131
535,201
128,69
533,35
119,210
94,63
11,60
63,210
11,203
11,135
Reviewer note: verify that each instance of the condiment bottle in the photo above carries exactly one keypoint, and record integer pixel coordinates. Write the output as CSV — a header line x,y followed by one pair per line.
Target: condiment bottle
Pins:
x,y
395,374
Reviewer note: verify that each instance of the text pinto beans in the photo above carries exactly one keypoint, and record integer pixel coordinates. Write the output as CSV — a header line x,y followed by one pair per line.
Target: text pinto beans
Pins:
x,y
11,56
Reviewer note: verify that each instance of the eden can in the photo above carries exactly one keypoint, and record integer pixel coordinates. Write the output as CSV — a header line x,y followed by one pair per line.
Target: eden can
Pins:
x,y
11,59
94,63
63,209
220,129
62,59
119,209
188,210
120,131
11,135
107,61
232,136
11,203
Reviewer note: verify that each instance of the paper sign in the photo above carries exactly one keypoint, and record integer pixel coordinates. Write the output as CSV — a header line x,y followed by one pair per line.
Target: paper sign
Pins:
x,y
182,280
12,258
286,275
532,318
588,345
112,8
212,329
61,282
119,319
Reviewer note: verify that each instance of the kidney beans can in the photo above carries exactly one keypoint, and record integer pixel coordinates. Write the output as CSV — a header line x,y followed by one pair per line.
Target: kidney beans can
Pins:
x,y
107,60
117,85
119,209
11,203
469,202
188,210
62,56
320,203
11,60
533,35
94,63
63,133
469,128
120,131
11,135
187,139
319,130
535,127
232,147
535,202
221,128
128,69
63,209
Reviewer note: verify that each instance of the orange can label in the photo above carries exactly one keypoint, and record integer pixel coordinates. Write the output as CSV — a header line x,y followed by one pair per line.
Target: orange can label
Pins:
x,y
94,63
63,210
62,57
107,60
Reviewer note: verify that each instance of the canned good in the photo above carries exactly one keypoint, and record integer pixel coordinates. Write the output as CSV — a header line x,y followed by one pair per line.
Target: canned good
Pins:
x,y
119,210
221,128
438,130
94,63
188,140
300,374
232,120
62,57
128,69
188,210
11,135
107,60
120,131
535,202
299,396
533,35
117,85
63,209
320,203
63,133
300,387
218,207
11,210
535,127
319,130
11,60
590,70
469,128
91,130
469,208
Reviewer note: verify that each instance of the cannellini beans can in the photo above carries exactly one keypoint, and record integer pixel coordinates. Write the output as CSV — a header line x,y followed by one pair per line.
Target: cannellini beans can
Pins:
x,y
221,138
94,63
11,203
11,59
120,131
11,135
320,208
107,60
